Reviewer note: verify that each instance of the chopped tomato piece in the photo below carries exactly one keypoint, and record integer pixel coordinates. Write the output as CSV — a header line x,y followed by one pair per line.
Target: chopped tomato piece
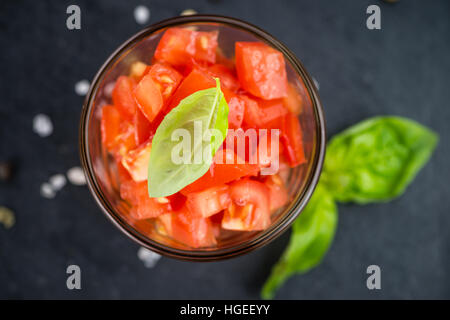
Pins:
x,y
110,126
165,220
264,114
295,101
195,232
122,172
166,78
142,126
124,140
268,153
195,81
143,207
271,113
261,70
278,195
177,200
243,142
226,76
292,139
250,208
178,45
136,162
222,172
148,97
236,106
123,98
205,46
208,202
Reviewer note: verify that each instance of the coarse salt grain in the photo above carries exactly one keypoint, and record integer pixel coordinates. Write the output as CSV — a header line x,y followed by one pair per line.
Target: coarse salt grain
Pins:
x,y
141,14
149,258
82,87
47,190
42,125
76,176
57,181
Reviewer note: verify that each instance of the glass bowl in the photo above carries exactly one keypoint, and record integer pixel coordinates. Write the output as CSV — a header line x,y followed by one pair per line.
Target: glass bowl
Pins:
x,y
102,176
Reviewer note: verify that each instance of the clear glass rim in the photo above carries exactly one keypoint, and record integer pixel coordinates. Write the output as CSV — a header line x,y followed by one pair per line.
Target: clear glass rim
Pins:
x,y
264,237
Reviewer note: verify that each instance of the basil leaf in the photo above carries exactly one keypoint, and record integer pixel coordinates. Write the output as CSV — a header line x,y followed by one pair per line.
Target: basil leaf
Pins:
x,y
312,234
375,160
206,108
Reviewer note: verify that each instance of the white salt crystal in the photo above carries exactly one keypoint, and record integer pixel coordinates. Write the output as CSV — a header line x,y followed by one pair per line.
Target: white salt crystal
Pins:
x,y
57,181
82,87
42,125
47,190
149,258
141,14
76,176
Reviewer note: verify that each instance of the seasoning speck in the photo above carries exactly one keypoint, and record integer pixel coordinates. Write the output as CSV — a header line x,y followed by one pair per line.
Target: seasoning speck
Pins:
x,y
42,125
57,181
82,87
141,14
188,12
149,258
7,217
76,176
6,169
47,191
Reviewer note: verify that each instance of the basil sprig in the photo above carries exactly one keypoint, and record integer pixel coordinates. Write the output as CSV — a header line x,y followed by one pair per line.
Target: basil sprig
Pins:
x,y
195,121
373,161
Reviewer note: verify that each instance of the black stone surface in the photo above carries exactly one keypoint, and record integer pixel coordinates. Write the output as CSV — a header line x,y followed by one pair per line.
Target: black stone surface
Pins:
x,y
402,69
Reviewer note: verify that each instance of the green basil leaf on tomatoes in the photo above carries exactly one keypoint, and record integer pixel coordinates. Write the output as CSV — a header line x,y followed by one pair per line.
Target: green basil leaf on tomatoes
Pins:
x,y
312,234
375,160
186,140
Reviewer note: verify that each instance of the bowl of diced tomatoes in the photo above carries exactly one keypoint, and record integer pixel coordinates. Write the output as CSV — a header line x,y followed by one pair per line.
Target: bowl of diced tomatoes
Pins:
x,y
234,207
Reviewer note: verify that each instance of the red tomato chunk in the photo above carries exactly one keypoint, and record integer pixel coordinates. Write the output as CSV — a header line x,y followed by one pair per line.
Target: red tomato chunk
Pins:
x,y
177,46
261,70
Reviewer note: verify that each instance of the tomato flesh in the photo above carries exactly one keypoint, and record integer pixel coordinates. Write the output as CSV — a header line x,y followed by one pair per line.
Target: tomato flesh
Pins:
x,y
122,96
143,128
110,126
261,70
148,97
221,173
294,101
136,162
195,81
291,137
143,207
250,209
236,107
261,113
208,202
195,232
226,76
178,45
166,78
278,196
